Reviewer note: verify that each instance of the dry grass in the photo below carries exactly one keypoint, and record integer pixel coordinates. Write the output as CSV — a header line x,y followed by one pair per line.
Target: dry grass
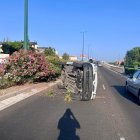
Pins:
x,y
68,96
50,93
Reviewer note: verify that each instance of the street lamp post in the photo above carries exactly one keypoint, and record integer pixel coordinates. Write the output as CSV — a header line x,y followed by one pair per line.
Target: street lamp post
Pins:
x,y
25,24
88,53
83,44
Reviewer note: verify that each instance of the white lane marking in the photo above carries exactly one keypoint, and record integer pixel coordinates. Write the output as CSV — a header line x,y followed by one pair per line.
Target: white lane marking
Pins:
x,y
122,138
104,87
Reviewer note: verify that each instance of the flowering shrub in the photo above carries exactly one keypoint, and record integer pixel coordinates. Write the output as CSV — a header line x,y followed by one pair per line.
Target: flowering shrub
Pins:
x,y
28,65
1,70
5,83
11,77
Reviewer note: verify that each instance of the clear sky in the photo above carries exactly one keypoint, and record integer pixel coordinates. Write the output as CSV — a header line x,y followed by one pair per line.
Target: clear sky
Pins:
x,y
112,26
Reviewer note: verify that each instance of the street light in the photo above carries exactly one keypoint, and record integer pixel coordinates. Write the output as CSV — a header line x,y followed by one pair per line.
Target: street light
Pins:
x,y
25,24
83,44
89,51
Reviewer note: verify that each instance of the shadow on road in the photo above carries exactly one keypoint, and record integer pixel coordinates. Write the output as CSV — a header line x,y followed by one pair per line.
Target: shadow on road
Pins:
x,y
67,126
128,96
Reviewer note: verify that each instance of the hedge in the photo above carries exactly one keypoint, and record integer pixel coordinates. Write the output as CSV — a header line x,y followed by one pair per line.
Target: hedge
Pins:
x,y
130,70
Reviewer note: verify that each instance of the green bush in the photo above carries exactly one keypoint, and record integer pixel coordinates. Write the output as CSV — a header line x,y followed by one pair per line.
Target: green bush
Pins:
x,y
135,63
57,69
55,64
5,83
12,78
53,59
130,70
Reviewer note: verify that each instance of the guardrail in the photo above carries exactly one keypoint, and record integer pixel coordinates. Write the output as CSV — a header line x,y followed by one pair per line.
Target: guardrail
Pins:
x,y
114,68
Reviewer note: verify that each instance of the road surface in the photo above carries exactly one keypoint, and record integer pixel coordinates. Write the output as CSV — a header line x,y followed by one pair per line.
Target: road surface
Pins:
x,y
113,115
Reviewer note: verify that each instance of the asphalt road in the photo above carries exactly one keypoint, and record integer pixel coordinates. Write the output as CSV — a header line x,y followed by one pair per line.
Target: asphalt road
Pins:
x,y
113,115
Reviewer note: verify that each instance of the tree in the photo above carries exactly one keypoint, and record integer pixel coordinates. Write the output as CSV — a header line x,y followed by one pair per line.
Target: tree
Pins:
x,y
49,51
10,47
65,56
133,57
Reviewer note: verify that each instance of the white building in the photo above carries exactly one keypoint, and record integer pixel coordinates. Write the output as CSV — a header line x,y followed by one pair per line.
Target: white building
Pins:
x,y
73,58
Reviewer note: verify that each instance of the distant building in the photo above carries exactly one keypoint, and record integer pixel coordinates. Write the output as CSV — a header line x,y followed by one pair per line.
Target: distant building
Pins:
x,y
33,45
3,58
73,58
119,62
60,57
41,49
1,48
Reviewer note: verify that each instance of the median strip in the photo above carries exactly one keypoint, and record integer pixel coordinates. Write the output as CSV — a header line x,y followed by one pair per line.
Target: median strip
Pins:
x,y
25,94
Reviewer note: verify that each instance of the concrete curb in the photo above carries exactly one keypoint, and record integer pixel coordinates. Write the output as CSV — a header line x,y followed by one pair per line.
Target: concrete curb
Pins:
x,y
15,97
121,74
28,89
115,68
8,95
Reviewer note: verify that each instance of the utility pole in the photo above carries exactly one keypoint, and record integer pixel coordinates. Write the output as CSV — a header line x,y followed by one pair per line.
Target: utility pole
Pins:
x,y
88,52
83,44
25,24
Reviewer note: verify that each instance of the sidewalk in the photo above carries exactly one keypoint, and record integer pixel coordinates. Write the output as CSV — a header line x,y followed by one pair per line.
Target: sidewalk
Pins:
x,y
15,94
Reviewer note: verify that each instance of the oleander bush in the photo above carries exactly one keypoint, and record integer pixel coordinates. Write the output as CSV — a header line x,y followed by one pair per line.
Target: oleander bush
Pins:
x,y
2,70
24,66
5,83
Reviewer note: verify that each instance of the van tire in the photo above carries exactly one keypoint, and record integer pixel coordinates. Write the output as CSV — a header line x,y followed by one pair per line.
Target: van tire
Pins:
x,y
87,82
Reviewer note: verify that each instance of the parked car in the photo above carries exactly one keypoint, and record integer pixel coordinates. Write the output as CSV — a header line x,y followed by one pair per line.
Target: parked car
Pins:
x,y
133,84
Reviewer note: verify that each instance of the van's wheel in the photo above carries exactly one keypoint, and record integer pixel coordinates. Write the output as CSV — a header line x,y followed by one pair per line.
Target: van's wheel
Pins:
x,y
87,83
